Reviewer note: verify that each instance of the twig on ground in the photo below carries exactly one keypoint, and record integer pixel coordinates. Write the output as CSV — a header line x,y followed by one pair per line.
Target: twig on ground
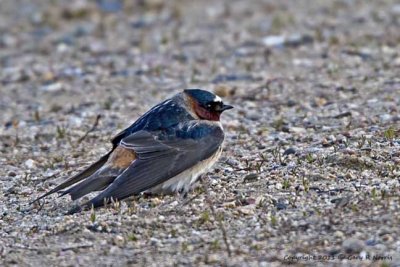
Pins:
x,y
77,246
96,122
214,214
191,199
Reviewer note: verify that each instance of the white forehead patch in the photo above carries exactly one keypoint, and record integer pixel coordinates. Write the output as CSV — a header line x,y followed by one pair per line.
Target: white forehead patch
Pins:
x,y
217,99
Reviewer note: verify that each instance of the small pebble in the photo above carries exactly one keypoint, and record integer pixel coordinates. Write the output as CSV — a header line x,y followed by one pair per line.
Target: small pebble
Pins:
x,y
250,178
353,245
30,163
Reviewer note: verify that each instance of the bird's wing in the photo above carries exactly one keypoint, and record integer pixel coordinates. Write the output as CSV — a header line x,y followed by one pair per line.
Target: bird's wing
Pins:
x,y
162,157
120,159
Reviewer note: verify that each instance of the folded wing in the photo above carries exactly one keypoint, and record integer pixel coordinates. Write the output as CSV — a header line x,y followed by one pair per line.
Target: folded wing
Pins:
x,y
161,157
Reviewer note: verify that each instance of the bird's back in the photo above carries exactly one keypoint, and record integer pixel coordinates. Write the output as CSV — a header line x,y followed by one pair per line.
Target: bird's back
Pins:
x,y
161,117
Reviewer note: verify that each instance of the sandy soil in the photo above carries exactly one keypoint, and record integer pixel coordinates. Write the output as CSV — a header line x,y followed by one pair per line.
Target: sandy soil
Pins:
x,y
310,172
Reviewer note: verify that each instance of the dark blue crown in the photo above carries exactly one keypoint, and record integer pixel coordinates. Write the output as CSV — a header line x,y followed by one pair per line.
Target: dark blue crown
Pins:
x,y
201,96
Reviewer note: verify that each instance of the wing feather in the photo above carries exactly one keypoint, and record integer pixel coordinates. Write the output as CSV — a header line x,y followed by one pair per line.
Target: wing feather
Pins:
x,y
162,157
78,177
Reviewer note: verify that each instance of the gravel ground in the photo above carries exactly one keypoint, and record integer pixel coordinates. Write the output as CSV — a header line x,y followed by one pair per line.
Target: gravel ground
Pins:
x,y
310,172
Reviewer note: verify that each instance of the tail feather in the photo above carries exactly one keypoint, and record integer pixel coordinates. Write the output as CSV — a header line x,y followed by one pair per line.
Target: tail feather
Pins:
x,y
78,177
96,182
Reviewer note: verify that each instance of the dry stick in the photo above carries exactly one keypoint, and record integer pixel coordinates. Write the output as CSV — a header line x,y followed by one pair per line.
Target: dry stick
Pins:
x,y
96,122
191,199
77,246
41,205
214,214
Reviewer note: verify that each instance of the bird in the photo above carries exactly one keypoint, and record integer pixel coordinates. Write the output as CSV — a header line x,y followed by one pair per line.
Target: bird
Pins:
x,y
164,151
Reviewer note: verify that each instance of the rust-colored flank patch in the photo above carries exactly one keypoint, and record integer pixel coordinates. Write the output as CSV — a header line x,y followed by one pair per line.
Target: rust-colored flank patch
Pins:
x,y
121,157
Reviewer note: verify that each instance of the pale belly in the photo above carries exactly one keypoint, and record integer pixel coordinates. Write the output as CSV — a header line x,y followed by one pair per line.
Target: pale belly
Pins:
x,y
184,181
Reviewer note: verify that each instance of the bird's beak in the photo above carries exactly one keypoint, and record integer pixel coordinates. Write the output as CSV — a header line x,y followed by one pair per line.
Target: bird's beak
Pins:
x,y
226,107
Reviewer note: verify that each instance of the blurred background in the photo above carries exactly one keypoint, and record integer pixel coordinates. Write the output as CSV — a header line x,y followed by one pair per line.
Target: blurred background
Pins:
x,y
311,165
56,52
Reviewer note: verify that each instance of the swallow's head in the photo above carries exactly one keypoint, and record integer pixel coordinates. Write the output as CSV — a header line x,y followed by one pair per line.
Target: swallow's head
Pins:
x,y
205,105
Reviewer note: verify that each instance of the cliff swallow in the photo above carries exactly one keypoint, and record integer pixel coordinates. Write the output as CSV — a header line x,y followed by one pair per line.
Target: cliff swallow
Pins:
x,y
163,152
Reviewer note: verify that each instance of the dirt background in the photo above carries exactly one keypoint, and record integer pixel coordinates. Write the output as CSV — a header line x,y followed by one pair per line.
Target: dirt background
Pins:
x,y
310,172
